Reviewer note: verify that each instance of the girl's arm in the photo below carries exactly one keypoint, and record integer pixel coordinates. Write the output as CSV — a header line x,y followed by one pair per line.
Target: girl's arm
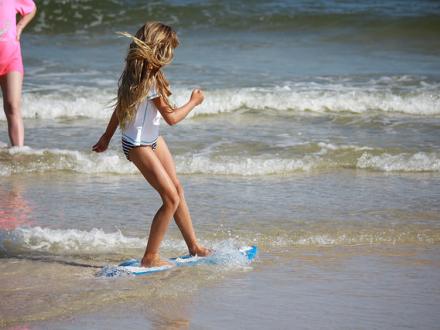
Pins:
x,y
24,21
103,142
173,116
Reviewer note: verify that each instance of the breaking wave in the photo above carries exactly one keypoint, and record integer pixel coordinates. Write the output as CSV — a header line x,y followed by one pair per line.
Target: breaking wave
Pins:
x,y
40,240
303,158
399,94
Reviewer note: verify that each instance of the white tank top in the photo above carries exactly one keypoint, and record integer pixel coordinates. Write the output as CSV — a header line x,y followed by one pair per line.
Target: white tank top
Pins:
x,y
144,128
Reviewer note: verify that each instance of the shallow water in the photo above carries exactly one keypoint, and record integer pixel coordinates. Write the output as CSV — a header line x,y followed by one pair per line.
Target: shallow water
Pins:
x,y
332,235
318,141
326,287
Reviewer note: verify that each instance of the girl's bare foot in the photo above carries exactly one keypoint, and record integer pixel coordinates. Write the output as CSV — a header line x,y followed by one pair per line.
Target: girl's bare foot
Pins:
x,y
154,261
200,251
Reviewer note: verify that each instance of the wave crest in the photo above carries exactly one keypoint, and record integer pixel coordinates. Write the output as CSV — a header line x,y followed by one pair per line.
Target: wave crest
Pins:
x,y
396,94
419,162
304,158
68,241
39,240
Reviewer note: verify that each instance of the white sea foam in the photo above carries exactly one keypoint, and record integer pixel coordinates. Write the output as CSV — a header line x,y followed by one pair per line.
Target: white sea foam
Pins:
x,y
39,240
66,241
419,162
382,236
356,100
112,163
386,95
242,166
92,242
91,103
328,156
43,160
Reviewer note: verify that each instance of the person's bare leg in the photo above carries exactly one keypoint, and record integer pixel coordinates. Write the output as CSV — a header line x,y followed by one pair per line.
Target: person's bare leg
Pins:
x,y
182,215
151,168
11,85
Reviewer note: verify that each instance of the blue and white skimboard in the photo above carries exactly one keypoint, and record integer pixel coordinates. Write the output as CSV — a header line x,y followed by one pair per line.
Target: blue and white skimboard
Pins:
x,y
133,267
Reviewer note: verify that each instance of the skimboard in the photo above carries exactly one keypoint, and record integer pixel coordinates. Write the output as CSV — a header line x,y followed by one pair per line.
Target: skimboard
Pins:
x,y
244,254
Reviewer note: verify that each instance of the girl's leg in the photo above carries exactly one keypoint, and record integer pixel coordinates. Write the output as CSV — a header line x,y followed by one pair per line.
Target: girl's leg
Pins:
x,y
11,85
182,215
151,168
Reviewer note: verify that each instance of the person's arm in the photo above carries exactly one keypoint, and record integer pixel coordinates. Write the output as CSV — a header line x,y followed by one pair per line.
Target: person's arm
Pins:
x,y
173,116
24,21
103,142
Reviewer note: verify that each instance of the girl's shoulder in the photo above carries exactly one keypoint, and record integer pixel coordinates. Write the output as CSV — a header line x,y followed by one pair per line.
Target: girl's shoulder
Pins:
x,y
153,93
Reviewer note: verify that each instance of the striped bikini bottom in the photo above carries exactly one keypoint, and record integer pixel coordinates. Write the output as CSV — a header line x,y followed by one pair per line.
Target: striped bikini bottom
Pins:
x,y
127,146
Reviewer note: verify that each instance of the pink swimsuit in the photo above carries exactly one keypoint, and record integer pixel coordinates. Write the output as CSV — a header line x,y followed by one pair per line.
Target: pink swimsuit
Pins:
x,y
10,51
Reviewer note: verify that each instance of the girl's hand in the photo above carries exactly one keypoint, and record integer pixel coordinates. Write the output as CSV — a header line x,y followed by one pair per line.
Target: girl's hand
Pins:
x,y
197,96
102,144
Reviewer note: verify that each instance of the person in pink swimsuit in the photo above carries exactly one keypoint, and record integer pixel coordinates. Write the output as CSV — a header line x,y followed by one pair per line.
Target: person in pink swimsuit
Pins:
x,y
11,64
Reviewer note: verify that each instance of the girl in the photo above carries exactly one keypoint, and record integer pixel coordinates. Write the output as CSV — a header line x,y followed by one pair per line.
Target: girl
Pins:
x,y
11,64
141,102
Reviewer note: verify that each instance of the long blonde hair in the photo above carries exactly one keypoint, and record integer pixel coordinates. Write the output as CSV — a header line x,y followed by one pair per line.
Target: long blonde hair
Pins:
x,y
151,48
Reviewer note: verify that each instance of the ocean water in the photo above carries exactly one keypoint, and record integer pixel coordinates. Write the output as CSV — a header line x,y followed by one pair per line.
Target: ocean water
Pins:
x,y
318,141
